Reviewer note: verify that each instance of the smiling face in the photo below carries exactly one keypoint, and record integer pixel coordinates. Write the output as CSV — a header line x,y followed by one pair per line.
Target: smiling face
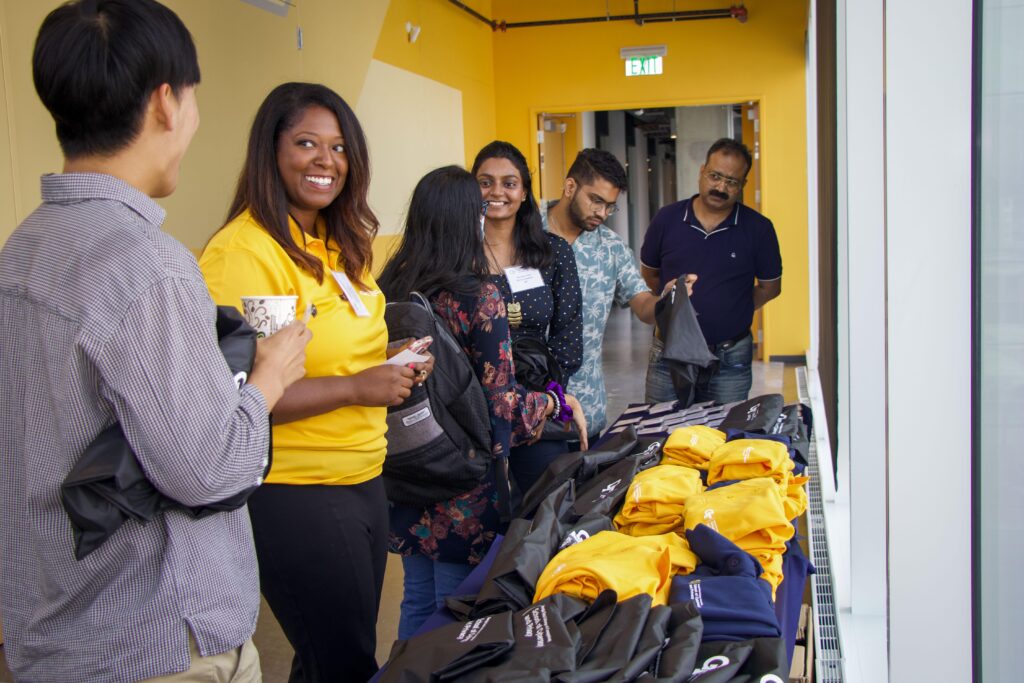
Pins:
x,y
312,163
502,188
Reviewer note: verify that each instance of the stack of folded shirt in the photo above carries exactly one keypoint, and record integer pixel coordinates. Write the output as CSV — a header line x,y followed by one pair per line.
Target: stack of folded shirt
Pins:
x,y
750,514
626,564
654,503
749,458
794,495
691,446
733,601
742,459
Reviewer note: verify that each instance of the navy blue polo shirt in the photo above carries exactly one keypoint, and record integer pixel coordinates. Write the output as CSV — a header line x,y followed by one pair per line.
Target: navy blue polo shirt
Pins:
x,y
725,261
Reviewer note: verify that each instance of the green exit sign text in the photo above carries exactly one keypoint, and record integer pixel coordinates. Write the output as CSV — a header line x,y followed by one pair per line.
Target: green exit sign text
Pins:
x,y
643,66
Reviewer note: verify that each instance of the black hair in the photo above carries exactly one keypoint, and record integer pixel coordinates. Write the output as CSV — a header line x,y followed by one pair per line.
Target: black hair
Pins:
x,y
592,164
531,244
731,147
96,62
350,222
442,248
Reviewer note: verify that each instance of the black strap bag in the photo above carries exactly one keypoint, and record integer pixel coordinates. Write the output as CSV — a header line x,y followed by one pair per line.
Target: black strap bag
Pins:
x,y
439,439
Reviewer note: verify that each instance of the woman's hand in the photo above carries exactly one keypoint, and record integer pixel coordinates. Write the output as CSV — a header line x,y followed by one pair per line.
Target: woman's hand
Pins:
x,y
383,385
424,369
280,361
578,419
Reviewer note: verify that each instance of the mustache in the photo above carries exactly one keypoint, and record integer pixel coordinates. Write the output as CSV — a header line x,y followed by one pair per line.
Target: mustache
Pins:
x,y
719,194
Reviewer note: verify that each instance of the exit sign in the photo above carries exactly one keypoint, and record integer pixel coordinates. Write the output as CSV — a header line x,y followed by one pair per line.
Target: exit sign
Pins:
x,y
643,66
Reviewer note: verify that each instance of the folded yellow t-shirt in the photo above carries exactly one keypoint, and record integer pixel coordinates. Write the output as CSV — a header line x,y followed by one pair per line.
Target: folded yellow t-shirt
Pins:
x,y
654,501
749,513
691,446
626,564
749,458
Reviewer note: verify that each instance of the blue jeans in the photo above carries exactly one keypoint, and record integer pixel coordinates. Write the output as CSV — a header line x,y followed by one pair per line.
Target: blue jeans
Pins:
x,y
427,584
730,383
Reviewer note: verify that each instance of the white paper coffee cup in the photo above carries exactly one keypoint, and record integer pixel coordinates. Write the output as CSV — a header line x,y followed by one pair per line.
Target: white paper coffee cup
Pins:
x,y
268,314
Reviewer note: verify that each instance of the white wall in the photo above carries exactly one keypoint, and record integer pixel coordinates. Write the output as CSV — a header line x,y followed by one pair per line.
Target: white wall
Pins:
x,y
928,267
413,125
697,128
904,156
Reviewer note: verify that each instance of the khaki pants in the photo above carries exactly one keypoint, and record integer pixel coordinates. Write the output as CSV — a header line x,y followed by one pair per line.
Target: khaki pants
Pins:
x,y
241,665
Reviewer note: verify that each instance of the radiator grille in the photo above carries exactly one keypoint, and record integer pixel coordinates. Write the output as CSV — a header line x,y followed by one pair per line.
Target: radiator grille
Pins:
x,y
828,653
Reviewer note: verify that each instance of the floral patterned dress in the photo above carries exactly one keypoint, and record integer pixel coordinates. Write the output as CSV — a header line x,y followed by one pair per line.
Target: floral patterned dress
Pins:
x,y
462,528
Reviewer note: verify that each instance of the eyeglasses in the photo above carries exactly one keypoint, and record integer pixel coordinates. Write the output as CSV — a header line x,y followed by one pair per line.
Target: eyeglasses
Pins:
x,y
598,205
716,177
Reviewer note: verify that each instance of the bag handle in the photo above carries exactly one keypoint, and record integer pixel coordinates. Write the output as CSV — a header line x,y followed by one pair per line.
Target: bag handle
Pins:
x,y
420,298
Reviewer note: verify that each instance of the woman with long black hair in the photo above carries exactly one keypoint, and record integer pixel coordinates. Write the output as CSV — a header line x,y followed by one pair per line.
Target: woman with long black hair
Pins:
x,y
535,271
442,255
300,225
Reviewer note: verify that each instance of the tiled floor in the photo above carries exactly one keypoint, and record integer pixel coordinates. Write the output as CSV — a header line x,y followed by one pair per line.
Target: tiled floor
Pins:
x,y
627,342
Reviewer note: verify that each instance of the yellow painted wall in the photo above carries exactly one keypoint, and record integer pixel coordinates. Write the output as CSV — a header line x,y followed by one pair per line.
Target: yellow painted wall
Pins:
x,y
453,48
577,68
243,53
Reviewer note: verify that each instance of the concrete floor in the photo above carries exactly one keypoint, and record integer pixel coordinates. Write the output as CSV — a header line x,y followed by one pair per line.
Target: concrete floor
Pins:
x,y
627,342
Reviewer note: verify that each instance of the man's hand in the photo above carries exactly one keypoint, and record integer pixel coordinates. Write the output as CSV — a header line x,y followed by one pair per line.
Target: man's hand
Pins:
x,y
280,361
688,280
765,291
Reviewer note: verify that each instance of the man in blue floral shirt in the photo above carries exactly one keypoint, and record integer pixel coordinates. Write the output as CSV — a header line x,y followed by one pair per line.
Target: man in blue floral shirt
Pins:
x,y
607,268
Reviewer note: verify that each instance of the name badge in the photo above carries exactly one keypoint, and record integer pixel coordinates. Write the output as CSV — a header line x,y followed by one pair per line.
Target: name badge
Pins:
x,y
351,294
521,279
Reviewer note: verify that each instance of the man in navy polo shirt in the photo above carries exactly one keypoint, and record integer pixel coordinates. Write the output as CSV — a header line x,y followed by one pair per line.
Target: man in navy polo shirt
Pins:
x,y
734,253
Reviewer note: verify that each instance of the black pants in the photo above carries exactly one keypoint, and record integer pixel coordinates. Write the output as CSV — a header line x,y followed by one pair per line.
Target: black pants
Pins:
x,y
322,552
527,463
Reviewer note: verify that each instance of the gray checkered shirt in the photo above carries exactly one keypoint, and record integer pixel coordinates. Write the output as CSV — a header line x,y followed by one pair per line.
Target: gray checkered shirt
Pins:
x,y
105,317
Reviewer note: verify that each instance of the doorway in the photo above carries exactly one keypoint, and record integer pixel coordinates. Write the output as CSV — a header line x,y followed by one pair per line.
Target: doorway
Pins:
x,y
662,149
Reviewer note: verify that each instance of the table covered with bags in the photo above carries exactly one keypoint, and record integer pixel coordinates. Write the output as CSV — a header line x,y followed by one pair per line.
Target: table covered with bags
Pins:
x,y
667,552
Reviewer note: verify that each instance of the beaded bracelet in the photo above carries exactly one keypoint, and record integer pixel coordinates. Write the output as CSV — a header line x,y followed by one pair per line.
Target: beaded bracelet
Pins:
x,y
562,411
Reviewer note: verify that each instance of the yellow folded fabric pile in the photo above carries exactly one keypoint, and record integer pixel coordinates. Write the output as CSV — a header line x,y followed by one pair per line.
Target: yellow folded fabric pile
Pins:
x,y
750,458
794,495
751,514
691,446
655,500
626,564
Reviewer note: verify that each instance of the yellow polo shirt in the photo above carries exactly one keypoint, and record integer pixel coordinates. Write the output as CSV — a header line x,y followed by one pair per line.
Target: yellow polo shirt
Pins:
x,y
346,445
629,565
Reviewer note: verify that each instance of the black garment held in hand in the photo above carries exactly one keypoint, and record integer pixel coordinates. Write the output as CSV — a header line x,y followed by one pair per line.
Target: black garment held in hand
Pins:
x,y
107,486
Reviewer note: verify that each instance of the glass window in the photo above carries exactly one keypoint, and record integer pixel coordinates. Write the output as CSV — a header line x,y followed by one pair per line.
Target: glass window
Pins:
x,y
999,335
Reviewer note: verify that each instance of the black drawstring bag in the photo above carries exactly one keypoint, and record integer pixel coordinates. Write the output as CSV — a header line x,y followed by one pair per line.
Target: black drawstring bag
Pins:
x,y
603,494
107,486
578,466
450,651
795,422
527,548
631,640
759,414
746,661
686,351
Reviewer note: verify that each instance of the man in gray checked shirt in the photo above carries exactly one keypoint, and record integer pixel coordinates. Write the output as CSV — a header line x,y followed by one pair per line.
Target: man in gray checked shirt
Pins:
x,y
107,319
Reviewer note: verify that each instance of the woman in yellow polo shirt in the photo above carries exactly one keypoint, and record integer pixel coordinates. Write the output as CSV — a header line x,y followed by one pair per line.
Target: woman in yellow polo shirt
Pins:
x,y
300,225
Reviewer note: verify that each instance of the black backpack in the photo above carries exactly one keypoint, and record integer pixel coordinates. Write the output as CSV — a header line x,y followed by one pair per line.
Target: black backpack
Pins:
x,y
439,439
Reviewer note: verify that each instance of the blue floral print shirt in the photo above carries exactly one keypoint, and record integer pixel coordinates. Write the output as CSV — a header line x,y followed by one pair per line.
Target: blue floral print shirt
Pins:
x,y
608,274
